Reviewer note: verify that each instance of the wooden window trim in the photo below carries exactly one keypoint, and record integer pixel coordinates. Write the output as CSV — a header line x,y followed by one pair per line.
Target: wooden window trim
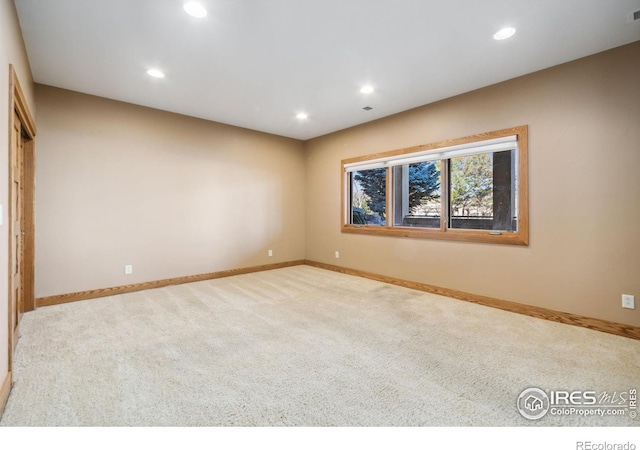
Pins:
x,y
520,237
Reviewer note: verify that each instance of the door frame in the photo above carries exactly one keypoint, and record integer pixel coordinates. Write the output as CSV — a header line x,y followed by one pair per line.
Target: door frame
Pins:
x,y
18,104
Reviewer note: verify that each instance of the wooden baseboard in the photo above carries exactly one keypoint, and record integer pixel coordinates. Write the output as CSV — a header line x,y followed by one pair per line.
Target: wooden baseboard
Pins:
x,y
605,326
105,292
5,389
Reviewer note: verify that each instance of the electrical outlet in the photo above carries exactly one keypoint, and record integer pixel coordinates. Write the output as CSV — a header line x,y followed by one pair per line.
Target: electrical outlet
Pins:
x,y
628,301
337,254
128,269
270,253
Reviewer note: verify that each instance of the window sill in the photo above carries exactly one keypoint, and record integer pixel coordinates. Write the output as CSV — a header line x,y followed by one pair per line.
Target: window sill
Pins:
x,y
480,236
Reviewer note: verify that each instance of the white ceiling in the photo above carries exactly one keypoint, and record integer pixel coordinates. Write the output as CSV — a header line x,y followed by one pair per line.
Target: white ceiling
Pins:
x,y
257,63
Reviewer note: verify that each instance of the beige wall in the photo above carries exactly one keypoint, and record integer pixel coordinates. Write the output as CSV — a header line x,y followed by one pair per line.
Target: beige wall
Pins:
x,y
173,196
12,51
584,252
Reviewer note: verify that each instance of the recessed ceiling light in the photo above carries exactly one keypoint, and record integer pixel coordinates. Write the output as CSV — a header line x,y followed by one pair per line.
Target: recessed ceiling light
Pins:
x,y
195,9
301,116
155,73
367,89
505,33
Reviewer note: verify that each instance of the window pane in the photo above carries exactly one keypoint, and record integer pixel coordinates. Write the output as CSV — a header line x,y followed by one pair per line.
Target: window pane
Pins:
x,y
368,197
482,192
416,193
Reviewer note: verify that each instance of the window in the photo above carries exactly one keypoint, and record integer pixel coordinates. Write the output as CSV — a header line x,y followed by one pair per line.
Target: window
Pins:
x,y
368,196
469,189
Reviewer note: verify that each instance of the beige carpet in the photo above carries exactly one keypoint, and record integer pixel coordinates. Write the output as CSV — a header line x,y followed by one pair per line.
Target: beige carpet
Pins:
x,y
301,346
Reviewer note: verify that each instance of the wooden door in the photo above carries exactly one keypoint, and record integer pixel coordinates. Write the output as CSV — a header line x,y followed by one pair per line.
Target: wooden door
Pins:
x,y
16,229
21,215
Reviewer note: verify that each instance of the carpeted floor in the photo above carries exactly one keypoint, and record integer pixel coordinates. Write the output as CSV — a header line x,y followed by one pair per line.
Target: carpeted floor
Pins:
x,y
301,346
